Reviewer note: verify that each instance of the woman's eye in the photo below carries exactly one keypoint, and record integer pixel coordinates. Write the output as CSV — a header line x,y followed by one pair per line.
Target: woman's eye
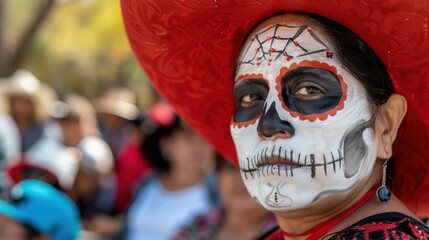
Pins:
x,y
248,100
309,93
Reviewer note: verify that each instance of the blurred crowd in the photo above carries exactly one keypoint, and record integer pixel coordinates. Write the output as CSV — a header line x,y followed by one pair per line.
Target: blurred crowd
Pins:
x,y
79,168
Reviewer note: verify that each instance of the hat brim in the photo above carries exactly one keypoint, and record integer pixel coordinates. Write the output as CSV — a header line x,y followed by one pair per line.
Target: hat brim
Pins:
x,y
15,172
189,48
118,108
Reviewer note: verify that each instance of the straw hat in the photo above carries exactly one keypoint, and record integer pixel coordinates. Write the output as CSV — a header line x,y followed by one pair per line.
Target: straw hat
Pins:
x,y
118,101
23,82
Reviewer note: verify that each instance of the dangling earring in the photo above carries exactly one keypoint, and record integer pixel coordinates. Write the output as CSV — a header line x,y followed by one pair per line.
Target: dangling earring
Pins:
x,y
383,192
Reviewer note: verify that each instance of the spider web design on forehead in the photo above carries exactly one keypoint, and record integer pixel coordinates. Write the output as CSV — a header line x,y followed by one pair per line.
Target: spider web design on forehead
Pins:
x,y
290,38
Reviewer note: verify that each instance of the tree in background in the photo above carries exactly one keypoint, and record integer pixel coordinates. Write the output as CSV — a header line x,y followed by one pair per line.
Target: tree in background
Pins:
x,y
74,45
15,35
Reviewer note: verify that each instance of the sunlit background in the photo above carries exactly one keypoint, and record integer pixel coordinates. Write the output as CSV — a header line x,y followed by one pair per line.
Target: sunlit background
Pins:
x,y
73,45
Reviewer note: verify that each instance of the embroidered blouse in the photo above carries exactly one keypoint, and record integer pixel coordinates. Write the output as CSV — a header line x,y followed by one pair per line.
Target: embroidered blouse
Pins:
x,y
394,225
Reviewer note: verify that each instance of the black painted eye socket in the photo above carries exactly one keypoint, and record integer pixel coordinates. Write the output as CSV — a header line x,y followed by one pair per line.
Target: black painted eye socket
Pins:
x,y
250,96
309,90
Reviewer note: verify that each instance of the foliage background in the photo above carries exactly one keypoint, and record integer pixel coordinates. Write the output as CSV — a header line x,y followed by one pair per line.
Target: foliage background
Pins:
x,y
78,45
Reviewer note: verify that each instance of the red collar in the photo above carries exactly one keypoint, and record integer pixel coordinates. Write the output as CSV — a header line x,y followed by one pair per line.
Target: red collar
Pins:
x,y
324,227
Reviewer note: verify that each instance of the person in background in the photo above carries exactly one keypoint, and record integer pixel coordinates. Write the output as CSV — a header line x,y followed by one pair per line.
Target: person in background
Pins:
x,y
10,144
179,189
76,117
80,165
132,165
94,185
94,188
38,211
239,217
10,140
27,102
10,148
116,107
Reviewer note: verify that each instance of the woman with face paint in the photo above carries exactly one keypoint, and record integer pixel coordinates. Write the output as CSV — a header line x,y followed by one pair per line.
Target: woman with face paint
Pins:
x,y
320,98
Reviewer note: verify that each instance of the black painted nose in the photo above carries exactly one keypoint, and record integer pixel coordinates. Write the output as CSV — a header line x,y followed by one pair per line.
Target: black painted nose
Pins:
x,y
271,126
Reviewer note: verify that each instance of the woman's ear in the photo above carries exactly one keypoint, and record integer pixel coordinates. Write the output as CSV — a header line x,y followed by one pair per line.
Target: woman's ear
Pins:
x,y
387,122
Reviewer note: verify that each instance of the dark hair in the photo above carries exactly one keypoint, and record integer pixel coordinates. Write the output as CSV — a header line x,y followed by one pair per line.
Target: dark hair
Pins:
x,y
30,172
222,163
151,144
362,62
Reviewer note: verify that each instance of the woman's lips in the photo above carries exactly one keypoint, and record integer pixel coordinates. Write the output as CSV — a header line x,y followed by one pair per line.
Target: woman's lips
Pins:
x,y
277,163
277,160
271,161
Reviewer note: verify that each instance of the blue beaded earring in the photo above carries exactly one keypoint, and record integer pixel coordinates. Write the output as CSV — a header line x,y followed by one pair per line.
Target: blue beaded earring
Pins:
x,y
383,192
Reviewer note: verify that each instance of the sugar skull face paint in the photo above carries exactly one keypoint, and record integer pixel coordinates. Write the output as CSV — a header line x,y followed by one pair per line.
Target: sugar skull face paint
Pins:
x,y
302,125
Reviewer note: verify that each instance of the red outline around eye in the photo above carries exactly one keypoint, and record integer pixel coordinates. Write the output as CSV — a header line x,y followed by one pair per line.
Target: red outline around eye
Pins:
x,y
316,64
245,77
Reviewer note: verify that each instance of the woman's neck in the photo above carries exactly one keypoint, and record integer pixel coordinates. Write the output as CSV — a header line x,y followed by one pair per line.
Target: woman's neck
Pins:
x,y
324,214
369,208
301,220
301,224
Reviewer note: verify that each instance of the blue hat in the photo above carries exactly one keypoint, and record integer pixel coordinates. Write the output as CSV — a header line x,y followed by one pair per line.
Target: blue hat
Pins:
x,y
44,208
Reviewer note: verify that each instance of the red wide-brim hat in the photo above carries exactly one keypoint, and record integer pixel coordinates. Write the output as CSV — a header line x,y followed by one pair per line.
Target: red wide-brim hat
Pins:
x,y
188,49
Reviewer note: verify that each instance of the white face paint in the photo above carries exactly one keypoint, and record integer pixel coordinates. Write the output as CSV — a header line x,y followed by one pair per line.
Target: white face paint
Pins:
x,y
321,146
